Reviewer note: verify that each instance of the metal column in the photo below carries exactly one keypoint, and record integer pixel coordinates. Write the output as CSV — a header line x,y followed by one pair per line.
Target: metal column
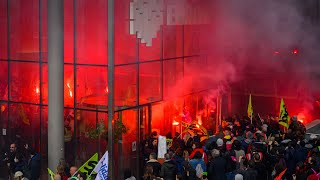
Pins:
x,y
55,77
111,173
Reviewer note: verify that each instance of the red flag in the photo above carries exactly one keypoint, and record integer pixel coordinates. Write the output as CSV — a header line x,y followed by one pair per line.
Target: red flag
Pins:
x,y
280,175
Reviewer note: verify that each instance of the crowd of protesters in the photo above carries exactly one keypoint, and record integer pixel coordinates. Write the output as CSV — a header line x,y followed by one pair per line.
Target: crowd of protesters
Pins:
x,y
261,149
21,162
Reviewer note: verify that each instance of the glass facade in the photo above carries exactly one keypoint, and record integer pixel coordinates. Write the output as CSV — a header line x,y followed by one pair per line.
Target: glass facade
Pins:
x,y
150,91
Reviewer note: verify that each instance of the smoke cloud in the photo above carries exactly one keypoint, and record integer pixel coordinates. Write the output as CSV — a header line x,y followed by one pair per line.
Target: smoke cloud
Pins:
x,y
258,37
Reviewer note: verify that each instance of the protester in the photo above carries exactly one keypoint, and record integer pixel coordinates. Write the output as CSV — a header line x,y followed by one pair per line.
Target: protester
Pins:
x,y
169,169
156,166
19,176
34,165
241,150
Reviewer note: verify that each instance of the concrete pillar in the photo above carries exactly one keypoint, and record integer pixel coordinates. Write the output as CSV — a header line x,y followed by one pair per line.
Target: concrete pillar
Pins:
x,y
111,173
55,78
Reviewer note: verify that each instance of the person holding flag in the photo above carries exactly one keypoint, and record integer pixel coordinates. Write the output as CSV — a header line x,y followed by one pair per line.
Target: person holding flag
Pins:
x,y
250,109
284,115
102,168
87,169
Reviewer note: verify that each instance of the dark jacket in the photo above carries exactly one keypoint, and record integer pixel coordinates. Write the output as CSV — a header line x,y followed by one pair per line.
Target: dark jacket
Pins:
x,y
168,170
176,143
179,162
156,166
262,171
290,160
10,159
21,166
216,169
189,174
250,174
300,154
35,167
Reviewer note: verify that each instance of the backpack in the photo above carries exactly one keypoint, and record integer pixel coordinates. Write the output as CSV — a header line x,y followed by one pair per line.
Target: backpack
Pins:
x,y
199,170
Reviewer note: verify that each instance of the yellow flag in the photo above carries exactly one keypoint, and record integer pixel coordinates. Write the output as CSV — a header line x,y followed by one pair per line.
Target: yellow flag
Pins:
x,y
87,168
284,115
51,174
250,109
23,115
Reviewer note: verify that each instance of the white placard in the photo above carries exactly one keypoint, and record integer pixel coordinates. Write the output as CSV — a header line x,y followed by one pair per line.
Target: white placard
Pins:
x,y
162,146
134,146
4,132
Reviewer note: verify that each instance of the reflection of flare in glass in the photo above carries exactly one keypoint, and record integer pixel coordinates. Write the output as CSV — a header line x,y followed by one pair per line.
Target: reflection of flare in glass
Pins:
x,y
70,92
37,90
175,123
107,90
199,120
3,108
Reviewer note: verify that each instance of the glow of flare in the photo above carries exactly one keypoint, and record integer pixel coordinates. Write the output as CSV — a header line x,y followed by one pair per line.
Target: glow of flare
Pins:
x,y
70,92
37,90
107,90
301,117
175,123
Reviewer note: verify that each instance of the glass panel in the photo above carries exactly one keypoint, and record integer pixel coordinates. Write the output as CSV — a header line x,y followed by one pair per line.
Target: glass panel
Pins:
x,y
158,122
151,52
25,124
87,142
129,155
44,24
173,78
92,87
69,120
3,119
170,121
125,86
68,85
172,41
196,39
103,117
3,30
24,30
68,31
4,80
125,44
150,85
44,133
92,32
45,84
195,76
24,82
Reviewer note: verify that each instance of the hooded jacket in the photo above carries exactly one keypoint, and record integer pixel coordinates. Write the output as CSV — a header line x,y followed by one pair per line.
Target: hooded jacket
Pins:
x,y
35,167
156,166
216,169
168,170
204,155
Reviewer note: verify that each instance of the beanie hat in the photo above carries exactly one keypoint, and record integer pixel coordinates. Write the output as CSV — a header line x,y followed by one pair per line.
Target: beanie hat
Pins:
x,y
238,177
219,142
